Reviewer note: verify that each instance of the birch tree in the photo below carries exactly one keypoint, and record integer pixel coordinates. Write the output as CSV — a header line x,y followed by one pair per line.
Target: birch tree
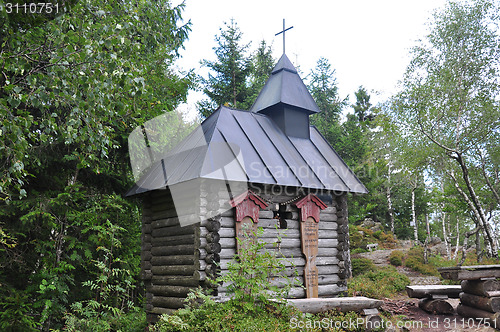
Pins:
x,y
450,93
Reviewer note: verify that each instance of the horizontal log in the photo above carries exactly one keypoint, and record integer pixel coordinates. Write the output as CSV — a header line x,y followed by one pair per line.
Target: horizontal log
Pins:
x,y
327,217
493,319
184,270
162,206
330,225
273,223
328,279
188,281
169,290
425,291
317,305
488,287
330,210
263,214
161,311
436,306
288,253
167,222
470,272
173,260
173,231
184,249
491,304
173,240
168,302
227,222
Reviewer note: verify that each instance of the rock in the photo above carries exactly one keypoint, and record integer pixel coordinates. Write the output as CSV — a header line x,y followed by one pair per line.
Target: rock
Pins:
x,y
433,240
368,223
438,249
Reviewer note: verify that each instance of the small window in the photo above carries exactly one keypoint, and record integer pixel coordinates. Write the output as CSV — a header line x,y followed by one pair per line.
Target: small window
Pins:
x,y
281,216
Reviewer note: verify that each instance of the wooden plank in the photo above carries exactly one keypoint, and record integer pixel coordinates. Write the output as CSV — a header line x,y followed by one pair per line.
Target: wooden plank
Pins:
x,y
438,306
491,304
424,291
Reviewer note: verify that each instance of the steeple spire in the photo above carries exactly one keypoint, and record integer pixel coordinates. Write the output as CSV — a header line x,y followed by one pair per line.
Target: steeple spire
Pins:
x,y
286,100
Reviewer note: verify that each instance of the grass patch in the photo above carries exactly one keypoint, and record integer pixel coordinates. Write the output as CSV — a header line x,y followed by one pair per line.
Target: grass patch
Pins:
x,y
378,283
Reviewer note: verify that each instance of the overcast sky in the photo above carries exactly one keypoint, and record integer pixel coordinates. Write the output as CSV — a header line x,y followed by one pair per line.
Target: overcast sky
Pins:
x,y
366,41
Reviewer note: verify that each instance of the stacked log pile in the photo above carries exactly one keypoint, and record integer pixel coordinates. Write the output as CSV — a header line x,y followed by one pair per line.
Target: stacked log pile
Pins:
x,y
480,298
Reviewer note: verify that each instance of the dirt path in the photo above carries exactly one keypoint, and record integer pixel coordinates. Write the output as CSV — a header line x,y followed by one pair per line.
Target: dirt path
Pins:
x,y
410,316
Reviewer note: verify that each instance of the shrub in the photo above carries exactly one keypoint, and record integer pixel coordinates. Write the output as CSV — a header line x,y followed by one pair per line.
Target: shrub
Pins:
x,y
396,258
358,251
361,265
378,284
415,261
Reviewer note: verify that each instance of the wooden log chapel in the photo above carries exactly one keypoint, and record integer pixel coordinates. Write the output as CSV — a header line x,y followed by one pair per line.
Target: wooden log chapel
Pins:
x,y
266,167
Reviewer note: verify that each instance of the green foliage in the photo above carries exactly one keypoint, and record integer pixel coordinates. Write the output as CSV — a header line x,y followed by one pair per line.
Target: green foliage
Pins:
x,y
450,100
236,77
250,283
250,279
111,287
359,237
415,261
396,257
361,265
379,283
71,90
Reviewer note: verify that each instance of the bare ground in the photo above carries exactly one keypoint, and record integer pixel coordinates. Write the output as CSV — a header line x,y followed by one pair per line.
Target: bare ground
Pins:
x,y
409,317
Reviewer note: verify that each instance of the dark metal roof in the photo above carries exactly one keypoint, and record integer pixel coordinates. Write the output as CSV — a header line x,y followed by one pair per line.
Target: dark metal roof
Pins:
x,y
286,87
246,146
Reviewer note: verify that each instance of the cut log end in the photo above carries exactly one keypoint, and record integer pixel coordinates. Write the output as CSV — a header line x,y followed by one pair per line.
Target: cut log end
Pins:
x,y
439,306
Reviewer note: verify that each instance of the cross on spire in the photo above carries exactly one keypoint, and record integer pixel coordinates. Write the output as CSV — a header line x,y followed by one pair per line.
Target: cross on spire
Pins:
x,y
283,32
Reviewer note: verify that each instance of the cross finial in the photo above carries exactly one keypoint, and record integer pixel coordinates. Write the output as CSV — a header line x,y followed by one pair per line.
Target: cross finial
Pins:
x,y
283,32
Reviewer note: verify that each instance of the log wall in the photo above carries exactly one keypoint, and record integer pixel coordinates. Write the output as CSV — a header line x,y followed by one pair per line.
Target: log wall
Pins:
x,y
176,259
170,256
331,262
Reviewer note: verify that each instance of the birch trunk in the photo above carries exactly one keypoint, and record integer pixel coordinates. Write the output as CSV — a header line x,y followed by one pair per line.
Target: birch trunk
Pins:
x,y
389,199
413,214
